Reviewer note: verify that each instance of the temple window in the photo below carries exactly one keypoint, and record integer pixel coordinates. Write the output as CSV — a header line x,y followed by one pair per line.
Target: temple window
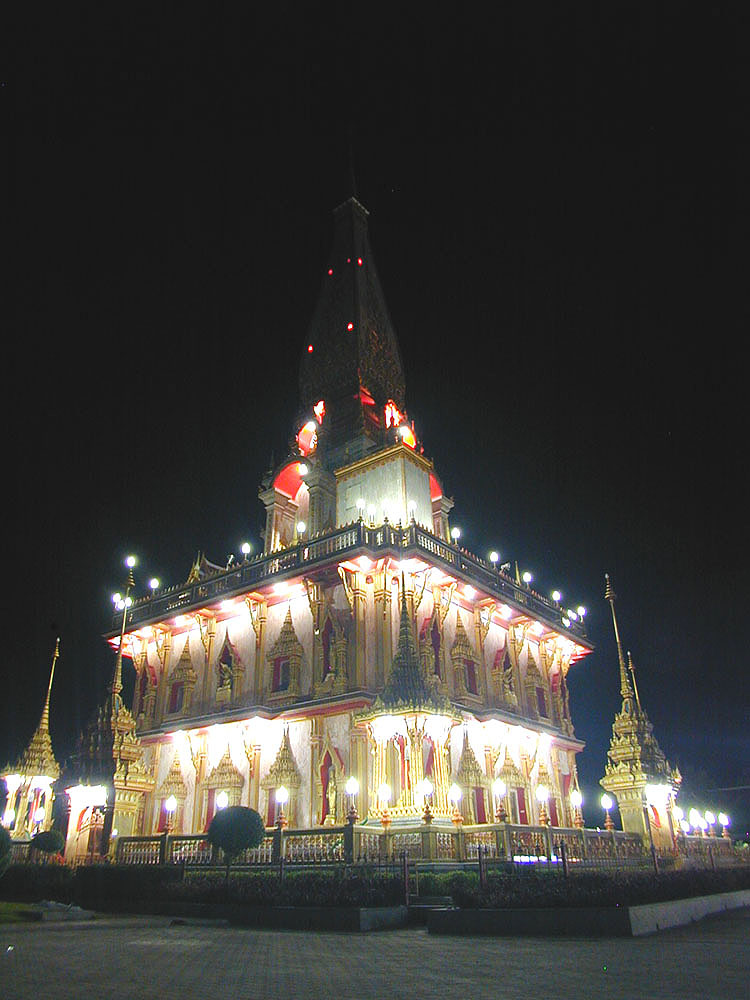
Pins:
x,y
435,641
541,702
553,813
479,804
471,676
523,816
326,644
176,697
280,681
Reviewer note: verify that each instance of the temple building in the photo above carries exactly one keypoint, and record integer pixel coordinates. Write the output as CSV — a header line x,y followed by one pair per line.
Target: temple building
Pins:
x,y
637,773
362,643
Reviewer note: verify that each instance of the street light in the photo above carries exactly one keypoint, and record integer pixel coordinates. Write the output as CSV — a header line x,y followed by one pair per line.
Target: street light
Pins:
x,y
542,796
455,795
455,534
246,548
222,800
724,821
607,803
170,806
425,788
499,788
576,800
282,797
384,797
352,789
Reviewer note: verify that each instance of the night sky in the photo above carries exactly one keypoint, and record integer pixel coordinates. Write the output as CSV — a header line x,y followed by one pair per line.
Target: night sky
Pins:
x,y
559,208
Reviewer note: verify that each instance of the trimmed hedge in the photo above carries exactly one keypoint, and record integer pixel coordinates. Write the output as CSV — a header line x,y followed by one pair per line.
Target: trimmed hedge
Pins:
x,y
130,884
126,886
529,889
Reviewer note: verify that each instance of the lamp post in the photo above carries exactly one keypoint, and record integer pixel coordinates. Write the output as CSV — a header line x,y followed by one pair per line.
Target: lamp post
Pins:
x,y
607,803
170,806
724,821
352,788
576,800
542,796
384,797
455,795
282,797
499,789
425,789
711,820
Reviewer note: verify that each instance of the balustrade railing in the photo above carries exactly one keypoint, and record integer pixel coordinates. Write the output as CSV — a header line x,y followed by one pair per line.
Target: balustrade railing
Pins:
x,y
508,843
358,535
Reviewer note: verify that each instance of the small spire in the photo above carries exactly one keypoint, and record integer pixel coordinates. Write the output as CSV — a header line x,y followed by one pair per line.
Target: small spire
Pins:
x,y
625,689
631,668
44,721
38,757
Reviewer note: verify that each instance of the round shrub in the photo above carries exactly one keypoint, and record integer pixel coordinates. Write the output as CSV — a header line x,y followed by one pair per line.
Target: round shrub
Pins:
x,y
48,842
235,829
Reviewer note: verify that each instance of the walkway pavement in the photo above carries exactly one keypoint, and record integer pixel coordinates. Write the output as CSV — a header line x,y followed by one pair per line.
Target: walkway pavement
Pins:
x,y
143,958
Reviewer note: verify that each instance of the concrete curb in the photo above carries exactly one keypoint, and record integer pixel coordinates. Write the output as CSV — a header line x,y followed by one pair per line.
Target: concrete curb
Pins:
x,y
321,918
626,921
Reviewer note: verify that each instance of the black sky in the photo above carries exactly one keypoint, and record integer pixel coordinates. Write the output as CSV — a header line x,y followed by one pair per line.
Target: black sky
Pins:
x,y
559,209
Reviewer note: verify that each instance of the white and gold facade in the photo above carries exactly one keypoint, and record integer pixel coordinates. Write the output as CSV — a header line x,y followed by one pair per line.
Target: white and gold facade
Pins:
x,y
279,670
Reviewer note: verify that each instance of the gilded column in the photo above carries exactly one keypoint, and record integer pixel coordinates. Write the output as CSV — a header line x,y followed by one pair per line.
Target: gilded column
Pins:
x,y
359,612
383,634
163,647
207,628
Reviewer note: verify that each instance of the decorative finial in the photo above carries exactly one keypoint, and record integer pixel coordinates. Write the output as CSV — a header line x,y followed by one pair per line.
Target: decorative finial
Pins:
x,y
625,689
631,668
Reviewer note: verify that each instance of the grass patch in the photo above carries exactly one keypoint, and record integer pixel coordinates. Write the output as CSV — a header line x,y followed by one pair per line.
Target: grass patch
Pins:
x,y
17,913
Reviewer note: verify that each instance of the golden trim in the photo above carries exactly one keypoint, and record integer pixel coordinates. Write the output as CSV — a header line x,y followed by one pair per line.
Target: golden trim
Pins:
x,y
383,458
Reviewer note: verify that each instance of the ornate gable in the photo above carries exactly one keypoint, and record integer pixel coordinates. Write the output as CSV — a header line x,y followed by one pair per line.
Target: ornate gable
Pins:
x,y
285,663
465,663
225,774
284,770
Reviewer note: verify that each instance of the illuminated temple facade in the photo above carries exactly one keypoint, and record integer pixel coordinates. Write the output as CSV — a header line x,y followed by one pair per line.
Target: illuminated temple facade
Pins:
x,y
362,642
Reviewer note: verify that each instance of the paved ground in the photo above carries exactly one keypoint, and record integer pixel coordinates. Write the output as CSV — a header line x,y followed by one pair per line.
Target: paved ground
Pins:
x,y
139,958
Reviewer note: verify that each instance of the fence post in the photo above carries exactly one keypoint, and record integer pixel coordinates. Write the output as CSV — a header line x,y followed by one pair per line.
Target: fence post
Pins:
x,y
584,853
429,843
548,842
482,866
349,841
405,872
277,848
163,840
564,857
459,844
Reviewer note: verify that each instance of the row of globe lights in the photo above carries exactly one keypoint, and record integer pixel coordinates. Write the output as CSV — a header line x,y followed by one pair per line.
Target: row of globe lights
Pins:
x,y
124,601
695,821
528,578
701,823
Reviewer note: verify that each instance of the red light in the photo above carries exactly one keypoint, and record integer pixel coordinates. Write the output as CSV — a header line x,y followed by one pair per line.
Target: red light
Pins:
x,y
359,261
309,348
348,260
330,270
350,326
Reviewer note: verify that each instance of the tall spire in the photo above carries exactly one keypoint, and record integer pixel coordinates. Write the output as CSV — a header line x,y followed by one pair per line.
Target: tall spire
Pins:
x,y
625,688
351,358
